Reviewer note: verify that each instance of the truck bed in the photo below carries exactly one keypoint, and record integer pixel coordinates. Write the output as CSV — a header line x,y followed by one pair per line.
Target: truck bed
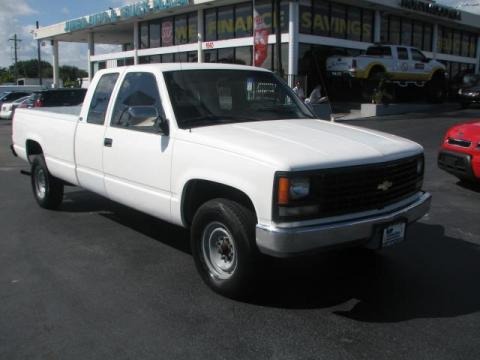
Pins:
x,y
53,128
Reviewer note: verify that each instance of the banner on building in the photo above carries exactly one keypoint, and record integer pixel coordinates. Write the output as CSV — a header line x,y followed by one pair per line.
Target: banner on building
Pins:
x,y
260,38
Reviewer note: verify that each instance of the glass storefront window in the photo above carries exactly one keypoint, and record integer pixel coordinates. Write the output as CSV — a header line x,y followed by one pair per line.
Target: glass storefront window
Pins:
x,y
338,26
181,57
321,18
210,56
243,55
457,43
465,44
225,28
394,30
192,28
406,32
427,37
284,13
226,55
354,23
210,24
154,34
417,35
144,43
384,32
265,10
367,25
167,32
243,20
473,46
192,56
167,58
181,30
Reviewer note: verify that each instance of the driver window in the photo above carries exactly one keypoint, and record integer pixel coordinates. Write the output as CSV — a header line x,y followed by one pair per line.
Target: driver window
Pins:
x,y
417,55
139,92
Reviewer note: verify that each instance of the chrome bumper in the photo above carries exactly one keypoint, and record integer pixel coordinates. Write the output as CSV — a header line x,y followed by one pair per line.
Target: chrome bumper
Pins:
x,y
282,242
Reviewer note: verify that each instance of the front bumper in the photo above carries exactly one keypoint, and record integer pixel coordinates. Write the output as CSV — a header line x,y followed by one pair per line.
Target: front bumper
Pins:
x,y
280,242
458,164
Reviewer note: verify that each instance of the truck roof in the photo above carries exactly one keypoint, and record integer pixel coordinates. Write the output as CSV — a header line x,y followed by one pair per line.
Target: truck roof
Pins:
x,y
184,66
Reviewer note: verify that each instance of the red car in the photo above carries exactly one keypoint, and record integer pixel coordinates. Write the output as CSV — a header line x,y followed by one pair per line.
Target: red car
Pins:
x,y
460,151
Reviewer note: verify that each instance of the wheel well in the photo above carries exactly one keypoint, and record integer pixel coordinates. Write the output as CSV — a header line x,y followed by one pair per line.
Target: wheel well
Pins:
x,y
198,192
438,75
33,148
376,69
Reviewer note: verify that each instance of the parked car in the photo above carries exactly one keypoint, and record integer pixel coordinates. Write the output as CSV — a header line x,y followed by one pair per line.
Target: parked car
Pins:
x,y
471,94
10,96
249,171
462,80
57,97
8,108
460,151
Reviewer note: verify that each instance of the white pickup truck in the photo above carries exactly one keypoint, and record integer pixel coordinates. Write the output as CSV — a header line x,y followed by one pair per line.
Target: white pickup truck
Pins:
x,y
230,152
404,65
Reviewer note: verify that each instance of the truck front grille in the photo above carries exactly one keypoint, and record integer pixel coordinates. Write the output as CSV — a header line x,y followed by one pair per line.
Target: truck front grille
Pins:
x,y
356,189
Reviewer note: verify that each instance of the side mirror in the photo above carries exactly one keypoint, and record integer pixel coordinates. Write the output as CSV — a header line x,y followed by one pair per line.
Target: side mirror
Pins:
x,y
148,116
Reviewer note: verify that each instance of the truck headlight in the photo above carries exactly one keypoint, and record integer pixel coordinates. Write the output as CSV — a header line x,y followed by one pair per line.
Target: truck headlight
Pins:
x,y
292,189
299,188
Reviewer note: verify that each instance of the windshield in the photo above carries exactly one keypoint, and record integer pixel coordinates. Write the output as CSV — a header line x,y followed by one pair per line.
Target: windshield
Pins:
x,y
211,97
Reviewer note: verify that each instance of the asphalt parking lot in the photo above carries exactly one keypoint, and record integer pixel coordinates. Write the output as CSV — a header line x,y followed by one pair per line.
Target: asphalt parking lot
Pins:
x,y
96,280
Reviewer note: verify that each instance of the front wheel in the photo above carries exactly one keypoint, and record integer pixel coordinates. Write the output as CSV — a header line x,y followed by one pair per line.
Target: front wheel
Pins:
x,y
47,189
223,247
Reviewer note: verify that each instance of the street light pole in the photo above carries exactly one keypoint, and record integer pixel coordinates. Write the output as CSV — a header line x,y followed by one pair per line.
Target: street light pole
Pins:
x,y
39,56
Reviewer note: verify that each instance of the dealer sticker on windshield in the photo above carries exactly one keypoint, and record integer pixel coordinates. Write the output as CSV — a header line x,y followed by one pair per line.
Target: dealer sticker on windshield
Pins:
x,y
393,234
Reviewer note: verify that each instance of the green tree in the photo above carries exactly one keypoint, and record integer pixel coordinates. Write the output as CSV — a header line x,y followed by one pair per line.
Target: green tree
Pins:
x,y
71,74
5,76
29,69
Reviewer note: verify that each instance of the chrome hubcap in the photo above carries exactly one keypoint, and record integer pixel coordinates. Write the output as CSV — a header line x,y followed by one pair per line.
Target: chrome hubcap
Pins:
x,y
40,183
219,252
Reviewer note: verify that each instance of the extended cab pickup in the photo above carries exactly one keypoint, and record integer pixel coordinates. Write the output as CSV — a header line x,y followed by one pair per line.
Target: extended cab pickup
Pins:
x,y
230,152
404,65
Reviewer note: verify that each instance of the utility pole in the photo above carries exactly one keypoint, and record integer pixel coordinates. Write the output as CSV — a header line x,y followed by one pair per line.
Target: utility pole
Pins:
x,y
39,56
15,47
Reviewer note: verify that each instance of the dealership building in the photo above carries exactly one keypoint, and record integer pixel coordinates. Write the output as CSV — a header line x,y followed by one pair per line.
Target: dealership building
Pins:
x,y
159,31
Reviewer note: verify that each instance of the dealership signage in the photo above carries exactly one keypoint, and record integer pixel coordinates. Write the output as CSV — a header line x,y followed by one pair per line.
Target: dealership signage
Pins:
x,y
138,9
432,8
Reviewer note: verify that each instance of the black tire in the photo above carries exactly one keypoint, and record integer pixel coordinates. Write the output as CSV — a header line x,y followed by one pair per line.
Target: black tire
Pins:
x,y
369,85
436,89
224,249
47,189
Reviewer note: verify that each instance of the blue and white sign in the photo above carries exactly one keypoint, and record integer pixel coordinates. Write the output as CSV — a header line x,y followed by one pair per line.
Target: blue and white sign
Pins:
x,y
138,9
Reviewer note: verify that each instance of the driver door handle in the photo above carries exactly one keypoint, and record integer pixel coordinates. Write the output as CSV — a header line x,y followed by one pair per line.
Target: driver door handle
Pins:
x,y
108,142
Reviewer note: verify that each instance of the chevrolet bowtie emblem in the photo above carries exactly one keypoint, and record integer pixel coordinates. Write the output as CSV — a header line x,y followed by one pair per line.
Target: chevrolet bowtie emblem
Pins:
x,y
385,185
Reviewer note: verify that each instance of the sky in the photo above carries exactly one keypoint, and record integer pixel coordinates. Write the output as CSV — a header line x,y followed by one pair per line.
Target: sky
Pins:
x,y
19,16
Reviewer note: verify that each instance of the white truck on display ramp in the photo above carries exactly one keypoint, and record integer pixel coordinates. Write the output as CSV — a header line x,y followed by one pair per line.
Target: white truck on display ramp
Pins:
x,y
250,171
403,65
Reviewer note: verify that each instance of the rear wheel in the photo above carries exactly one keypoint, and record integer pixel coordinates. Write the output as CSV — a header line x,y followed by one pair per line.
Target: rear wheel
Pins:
x,y
369,85
47,189
436,89
223,247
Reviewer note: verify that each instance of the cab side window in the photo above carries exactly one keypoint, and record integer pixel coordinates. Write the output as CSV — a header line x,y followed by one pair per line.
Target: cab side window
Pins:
x,y
138,105
101,98
402,53
418,56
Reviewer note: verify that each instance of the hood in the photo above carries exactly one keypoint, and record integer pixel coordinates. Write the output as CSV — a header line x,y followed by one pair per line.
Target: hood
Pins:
x,y
471,88
303,144
467,131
